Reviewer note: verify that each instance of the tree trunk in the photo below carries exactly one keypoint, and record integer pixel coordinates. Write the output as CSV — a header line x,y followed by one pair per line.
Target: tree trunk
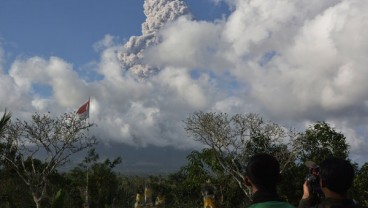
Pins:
x,y
37,200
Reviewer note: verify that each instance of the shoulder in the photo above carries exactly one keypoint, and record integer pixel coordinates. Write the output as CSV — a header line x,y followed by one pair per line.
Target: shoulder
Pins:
x,y
305,203
348,203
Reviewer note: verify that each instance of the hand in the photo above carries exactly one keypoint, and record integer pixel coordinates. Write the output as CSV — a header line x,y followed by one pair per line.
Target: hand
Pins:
x,y
305,190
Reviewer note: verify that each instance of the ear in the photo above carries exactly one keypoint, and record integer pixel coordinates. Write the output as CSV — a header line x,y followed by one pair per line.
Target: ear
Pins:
x,y
247,181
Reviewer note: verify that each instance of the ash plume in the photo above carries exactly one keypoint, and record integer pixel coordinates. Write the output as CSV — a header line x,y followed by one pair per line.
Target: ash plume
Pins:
x,y
158,13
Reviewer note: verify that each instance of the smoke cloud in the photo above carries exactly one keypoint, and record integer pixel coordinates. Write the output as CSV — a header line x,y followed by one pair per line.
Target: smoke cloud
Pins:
x,y
159,14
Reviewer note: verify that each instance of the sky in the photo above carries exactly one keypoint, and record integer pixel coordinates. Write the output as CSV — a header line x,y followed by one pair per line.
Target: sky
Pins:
x,y
149,64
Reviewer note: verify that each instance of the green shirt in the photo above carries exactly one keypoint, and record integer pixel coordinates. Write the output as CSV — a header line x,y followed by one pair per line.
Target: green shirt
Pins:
x,y
271,204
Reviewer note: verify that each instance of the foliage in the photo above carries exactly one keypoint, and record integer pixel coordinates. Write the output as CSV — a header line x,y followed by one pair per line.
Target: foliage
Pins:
x,y
96,179
58,200
202,166
182,190
129,186
229,140
234,139
291,183
360,188
319,142
4,120
36,148
11,187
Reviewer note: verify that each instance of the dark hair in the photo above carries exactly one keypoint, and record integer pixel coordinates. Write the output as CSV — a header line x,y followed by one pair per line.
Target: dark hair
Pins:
x,y
263,170
337,174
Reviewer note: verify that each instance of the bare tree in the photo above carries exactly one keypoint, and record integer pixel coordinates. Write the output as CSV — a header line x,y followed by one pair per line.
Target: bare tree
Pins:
x,y
36,148
236,138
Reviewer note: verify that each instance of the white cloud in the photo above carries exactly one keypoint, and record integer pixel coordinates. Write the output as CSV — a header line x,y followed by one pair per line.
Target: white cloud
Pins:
x,y
40,104
56,73
11,96
293,62
106,42
301,60
178,84
189,44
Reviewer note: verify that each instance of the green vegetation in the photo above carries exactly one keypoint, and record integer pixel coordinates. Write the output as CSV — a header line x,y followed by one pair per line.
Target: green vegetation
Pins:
x,y
29,176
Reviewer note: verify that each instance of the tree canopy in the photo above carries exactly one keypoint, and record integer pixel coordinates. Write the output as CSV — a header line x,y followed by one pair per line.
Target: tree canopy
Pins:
x,y
32,151
231,140
36,148
234,139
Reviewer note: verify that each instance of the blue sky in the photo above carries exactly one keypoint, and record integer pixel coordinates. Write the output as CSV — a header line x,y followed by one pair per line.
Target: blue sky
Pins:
x,y
66,28
292,62
69,29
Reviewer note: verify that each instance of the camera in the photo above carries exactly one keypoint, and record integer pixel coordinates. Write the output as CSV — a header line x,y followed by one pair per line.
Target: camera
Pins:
x,y
312,178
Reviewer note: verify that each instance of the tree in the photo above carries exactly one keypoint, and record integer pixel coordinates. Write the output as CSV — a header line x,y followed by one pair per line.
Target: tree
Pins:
x,y
185,185
4,120
96,181
104,183
36,148
360,186
236,138
319,142
203,166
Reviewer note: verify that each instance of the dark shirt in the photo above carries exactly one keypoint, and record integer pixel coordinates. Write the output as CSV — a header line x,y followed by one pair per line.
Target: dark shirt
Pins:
x,y
329,203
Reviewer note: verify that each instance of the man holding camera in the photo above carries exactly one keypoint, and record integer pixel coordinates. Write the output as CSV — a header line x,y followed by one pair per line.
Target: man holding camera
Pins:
x,y
335,178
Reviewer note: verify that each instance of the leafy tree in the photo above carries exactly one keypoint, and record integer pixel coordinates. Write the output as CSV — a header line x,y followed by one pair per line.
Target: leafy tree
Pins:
x,y
291,183
104,183
319,142
58,200
11,187
3,147
360,186
75,183
234,139
5,174
180,192
185,188
203,166
129,187
127,190
96,181
42,145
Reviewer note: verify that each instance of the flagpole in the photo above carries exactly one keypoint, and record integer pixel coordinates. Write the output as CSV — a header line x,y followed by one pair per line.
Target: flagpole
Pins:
x,y
87,181
87,202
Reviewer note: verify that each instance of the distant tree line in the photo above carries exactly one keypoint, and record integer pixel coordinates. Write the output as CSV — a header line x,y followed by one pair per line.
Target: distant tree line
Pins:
x,y
33,151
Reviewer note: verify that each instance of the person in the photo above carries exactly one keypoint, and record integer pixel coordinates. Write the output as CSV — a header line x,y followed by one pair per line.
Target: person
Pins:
x,y
160,200
138,200
148,195
336,176
209,194
262,176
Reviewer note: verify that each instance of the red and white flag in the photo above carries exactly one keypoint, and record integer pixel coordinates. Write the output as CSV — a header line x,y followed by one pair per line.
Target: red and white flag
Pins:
x,y
83,111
